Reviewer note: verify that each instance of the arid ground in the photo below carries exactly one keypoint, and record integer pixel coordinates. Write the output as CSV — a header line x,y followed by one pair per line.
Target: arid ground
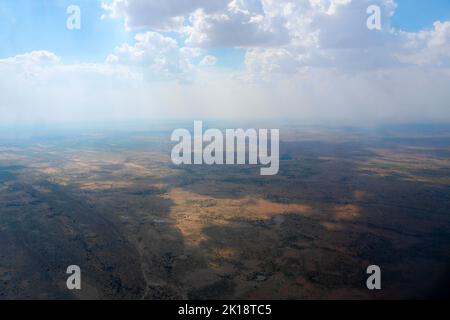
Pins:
x,y
111,202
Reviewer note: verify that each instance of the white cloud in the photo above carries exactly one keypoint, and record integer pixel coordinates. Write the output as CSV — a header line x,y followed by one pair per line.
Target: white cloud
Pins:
x,y
428,47
208,61
34,57
243,23
158,57
156,14
208,23
329,34
306,32
28,64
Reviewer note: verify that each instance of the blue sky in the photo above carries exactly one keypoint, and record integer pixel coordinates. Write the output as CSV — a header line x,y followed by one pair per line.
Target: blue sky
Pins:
x,y
27,25
413,15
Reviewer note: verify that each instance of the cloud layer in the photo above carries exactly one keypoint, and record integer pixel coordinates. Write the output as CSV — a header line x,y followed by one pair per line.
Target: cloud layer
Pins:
x,y
312,60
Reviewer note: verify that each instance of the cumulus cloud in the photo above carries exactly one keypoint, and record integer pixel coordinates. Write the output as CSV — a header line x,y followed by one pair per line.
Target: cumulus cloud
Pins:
x,y
208,23
305,32
304,59
29,64
156,14
243,23
208,61
34,57
428,47
329,34
157,56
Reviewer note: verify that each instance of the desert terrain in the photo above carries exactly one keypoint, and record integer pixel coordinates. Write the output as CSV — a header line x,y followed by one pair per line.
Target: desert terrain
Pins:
x,y
140,227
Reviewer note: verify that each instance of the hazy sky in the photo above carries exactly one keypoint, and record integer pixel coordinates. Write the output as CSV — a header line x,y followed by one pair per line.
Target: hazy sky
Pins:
x,y
305,60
